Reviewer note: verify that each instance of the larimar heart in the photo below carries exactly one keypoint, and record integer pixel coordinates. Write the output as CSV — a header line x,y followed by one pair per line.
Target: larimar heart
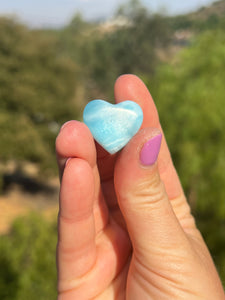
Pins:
x,y
113,125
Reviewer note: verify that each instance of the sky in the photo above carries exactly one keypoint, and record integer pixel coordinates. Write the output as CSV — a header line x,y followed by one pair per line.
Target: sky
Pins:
x,y
56,13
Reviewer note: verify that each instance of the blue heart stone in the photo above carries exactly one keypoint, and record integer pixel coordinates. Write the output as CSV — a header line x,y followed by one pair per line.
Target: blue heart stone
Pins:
x,y
113,125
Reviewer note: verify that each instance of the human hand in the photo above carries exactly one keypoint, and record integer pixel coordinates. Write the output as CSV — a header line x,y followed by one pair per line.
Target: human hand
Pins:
x,y
125,229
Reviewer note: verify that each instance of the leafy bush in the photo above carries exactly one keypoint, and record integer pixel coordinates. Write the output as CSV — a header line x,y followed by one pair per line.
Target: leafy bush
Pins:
x,y
36,95
27,260
190,98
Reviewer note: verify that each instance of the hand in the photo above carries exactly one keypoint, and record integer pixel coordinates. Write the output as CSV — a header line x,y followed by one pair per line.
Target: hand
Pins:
x,y
125,227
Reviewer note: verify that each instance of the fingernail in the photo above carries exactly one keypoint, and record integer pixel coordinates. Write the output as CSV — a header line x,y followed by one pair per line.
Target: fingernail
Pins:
x,y
68,159
64,125
149,152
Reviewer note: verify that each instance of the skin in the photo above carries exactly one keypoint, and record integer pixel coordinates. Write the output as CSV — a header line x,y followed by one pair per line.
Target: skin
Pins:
x,y
126,230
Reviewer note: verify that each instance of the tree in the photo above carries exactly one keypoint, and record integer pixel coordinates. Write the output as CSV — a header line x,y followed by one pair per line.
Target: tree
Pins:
x,y
37,86
132,48
190,98
27,260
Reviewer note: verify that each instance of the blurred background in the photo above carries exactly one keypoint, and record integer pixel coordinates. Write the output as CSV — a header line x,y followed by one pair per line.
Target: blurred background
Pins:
x,y
57,56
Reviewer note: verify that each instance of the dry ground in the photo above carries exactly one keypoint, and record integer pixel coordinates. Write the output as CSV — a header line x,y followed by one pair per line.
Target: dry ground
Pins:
x,y
16,203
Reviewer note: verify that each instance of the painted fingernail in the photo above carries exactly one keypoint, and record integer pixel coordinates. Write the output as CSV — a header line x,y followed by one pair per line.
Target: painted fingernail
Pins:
x,y
149,152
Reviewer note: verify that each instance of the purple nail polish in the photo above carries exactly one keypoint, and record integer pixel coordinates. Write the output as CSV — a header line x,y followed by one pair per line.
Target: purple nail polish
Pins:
x,y
149,152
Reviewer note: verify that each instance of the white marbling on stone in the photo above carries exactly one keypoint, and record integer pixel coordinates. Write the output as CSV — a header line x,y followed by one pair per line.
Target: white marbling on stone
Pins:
x,y
113,125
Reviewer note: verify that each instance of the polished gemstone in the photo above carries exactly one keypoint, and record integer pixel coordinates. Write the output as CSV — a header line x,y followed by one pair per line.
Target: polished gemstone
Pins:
x,y
113,125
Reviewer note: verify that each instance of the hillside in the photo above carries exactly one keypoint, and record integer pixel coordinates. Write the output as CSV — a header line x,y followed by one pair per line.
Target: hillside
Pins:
x,y
207,17
217,9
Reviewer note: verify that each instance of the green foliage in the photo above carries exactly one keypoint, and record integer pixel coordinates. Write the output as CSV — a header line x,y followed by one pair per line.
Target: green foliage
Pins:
x,y
73,38
103,54
211,17
34,78
17,129
131,48
190,98
27,260
36,90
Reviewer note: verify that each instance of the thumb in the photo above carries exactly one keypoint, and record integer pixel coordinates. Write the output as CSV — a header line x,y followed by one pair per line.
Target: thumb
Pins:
x,y
151,222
